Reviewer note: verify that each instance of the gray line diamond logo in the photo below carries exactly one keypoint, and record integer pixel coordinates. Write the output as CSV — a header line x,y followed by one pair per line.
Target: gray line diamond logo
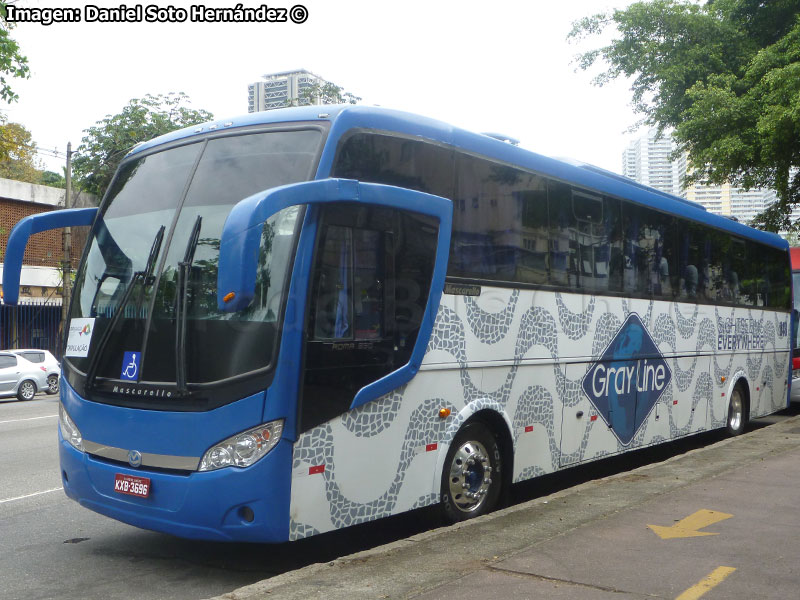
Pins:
x,y
627,381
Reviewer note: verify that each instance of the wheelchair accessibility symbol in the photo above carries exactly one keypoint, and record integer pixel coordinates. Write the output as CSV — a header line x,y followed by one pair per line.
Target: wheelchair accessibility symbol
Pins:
x,y
130,366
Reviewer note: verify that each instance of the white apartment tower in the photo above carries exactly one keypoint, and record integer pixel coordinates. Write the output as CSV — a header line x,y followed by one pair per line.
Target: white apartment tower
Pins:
x,y
731,201
647,160
279,90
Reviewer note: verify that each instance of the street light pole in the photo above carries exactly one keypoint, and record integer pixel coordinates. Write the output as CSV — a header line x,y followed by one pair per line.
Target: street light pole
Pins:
x,y
67,264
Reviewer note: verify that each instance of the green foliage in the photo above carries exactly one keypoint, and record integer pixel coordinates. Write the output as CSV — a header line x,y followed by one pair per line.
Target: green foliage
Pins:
x,y
18,154
107,143
725,75
52,179
12,63
329,93
18,159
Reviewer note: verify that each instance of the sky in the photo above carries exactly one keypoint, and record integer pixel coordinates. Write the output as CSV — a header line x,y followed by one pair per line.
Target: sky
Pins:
x,y
504,67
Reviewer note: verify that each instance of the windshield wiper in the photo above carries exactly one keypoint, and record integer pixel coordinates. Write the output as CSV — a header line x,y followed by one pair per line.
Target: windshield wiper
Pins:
x,y
184,273
146,277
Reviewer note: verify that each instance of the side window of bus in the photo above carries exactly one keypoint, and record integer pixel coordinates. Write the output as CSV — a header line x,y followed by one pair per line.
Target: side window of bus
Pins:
x,y
350,284
500,223
594,252
369,289
614,238
534,260
649,253
758,278
563,237
747,273
693,261
393,160
777,279
731,253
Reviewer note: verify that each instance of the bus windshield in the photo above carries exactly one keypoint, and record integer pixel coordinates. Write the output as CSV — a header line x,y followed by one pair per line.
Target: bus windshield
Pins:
x,y
162,208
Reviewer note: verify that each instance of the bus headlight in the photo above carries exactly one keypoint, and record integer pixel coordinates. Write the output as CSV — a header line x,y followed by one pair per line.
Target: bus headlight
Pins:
x,y
69,431
243,449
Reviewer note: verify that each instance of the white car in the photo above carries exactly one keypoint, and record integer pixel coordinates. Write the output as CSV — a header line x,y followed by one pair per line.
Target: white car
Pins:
x,y
43,358
20,377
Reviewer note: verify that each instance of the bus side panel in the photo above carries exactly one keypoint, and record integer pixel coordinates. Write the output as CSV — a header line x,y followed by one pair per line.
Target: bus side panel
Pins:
x,y
769,367
527,355
374,461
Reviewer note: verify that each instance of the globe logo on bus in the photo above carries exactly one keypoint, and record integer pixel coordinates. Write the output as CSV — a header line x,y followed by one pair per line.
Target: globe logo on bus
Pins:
x,y
627,381
135,458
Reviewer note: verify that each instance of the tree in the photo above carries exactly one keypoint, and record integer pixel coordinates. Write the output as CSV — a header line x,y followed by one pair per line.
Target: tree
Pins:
x,y
327,93
53,179
725,75
12,63
18,154
107,143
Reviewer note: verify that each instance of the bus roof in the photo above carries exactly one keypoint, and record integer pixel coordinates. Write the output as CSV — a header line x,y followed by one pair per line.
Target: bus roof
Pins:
x,y
629,181
346,117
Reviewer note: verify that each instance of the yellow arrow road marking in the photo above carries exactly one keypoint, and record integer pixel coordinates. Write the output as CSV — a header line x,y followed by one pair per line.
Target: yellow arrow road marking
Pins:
x,y
710,581
689,526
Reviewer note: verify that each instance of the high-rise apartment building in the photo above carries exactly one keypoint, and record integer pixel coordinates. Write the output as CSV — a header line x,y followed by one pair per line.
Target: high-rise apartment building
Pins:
x,y
279,90
648,161
731,201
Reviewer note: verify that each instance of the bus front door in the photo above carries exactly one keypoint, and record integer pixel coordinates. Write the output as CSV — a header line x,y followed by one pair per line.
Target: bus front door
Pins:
x,y
374,284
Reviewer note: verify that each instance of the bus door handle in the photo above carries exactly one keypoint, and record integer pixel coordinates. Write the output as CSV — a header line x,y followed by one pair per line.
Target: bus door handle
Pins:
x,y
579,414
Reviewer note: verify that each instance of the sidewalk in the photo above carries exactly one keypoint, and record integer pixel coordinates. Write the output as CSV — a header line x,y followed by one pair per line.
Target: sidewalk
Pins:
x,y
729,516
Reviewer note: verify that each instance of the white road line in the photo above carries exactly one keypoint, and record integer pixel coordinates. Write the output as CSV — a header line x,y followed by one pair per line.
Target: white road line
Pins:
x,y
29,419
58,489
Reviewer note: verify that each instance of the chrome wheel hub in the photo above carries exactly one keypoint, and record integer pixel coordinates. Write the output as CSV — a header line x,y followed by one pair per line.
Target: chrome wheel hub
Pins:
x,y
736,411
470,476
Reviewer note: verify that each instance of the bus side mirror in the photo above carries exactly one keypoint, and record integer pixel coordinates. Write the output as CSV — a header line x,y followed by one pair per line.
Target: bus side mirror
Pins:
x,y
241,234
15,250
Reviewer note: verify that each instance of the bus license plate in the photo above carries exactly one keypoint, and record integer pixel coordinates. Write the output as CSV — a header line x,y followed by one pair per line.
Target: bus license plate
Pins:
x,y
132,485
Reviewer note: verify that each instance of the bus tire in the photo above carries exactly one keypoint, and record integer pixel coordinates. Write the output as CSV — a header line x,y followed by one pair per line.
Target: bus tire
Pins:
x,y
472,475
26,390
736,422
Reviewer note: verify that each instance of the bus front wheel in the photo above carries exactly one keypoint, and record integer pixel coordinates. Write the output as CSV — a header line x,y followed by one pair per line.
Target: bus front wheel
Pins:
x,y
471,478
737,412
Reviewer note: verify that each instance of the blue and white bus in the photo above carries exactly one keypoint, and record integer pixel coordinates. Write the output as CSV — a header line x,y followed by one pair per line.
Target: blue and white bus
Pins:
x,y
303,319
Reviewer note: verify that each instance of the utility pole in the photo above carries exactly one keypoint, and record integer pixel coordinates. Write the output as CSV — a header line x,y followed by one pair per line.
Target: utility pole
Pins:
x,y
67,264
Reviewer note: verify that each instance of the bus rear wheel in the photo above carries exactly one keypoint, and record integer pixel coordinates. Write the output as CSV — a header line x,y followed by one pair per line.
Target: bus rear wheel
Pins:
x,y
737,412
471,478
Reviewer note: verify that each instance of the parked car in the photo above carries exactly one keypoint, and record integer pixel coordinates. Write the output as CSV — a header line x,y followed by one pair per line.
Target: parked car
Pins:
x,y
20,377
48,361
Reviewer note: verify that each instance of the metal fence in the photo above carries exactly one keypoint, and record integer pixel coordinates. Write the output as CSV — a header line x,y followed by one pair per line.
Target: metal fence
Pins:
x,y
35,324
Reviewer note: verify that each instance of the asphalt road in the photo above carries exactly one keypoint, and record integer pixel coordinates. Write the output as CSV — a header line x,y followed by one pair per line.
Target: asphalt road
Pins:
x,y
50,547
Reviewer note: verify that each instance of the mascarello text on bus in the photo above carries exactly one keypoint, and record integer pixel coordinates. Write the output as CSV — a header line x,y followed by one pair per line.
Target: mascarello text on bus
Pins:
x,y
295,321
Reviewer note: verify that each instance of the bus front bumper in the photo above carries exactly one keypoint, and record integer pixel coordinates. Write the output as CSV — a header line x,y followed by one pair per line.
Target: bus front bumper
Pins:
x,y
230,504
